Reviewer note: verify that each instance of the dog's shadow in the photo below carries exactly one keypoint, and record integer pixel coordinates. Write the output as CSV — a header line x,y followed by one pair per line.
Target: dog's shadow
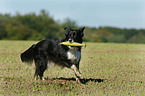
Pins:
x,y
83,81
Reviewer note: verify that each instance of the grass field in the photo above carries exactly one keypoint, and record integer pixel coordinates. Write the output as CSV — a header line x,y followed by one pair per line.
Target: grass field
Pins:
x,y
108,69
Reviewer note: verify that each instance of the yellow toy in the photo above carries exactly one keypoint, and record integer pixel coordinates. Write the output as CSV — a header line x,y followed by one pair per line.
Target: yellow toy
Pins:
x,y
72,44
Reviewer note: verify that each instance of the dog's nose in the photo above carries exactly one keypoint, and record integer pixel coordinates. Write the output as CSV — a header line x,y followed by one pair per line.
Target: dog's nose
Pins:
x,y
70,40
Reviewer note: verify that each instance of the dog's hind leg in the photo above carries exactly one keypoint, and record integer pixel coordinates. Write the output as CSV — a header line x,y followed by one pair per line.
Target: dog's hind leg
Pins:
x,y
77,73
41,66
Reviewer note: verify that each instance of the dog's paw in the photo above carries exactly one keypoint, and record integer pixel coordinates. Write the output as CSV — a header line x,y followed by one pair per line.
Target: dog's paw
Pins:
x,y
78,80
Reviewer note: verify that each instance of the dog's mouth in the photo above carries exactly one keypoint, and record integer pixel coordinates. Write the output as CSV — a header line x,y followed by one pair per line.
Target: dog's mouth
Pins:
x,y
72,47
71,44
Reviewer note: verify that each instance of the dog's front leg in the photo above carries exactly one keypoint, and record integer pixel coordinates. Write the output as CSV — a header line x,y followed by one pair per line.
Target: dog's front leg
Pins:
x,y
77,73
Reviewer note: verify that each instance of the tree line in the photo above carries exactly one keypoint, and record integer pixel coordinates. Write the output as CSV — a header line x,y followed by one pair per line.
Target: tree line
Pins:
x,y
40,26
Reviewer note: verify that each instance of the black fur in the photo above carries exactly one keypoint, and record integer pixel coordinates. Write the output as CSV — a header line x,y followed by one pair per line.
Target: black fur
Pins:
x,y
51,50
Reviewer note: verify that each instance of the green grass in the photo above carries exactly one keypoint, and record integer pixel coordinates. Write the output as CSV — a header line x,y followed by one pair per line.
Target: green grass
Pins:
x,y
109,69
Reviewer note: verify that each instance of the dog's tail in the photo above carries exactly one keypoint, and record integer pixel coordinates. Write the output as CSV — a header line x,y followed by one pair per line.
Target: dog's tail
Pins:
x,y
27,56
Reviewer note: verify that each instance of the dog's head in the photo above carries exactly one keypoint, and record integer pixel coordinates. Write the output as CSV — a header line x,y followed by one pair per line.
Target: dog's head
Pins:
x,y
74,35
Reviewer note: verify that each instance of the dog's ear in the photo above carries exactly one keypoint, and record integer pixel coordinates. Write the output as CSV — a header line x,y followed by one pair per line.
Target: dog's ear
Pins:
x,y
67,31
82,29
67,28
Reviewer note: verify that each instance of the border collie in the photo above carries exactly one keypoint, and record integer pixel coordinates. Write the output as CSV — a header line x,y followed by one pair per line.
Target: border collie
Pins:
x,y
49,50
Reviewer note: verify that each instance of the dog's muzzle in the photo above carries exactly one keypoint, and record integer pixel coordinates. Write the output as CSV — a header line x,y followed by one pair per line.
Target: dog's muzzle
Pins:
x,y
70,40
71,47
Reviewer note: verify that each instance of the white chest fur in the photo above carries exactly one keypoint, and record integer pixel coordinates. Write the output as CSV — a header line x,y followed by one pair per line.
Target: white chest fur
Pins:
x,y
74,55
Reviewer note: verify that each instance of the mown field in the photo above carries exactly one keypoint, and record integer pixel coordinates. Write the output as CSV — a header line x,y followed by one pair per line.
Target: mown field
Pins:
x,y
108,69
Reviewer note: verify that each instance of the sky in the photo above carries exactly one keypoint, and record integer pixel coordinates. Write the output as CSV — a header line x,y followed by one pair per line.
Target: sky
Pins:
x,y
92,13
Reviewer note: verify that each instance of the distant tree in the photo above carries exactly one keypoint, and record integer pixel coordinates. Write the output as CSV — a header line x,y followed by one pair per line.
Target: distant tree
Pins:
x,y
103,34
69,23
40,26
91,35
139,38
116,38
41,23
17,31
3,21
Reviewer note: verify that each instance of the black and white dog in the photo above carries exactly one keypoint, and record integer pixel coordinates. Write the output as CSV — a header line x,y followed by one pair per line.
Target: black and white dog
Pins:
x,y
47,51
